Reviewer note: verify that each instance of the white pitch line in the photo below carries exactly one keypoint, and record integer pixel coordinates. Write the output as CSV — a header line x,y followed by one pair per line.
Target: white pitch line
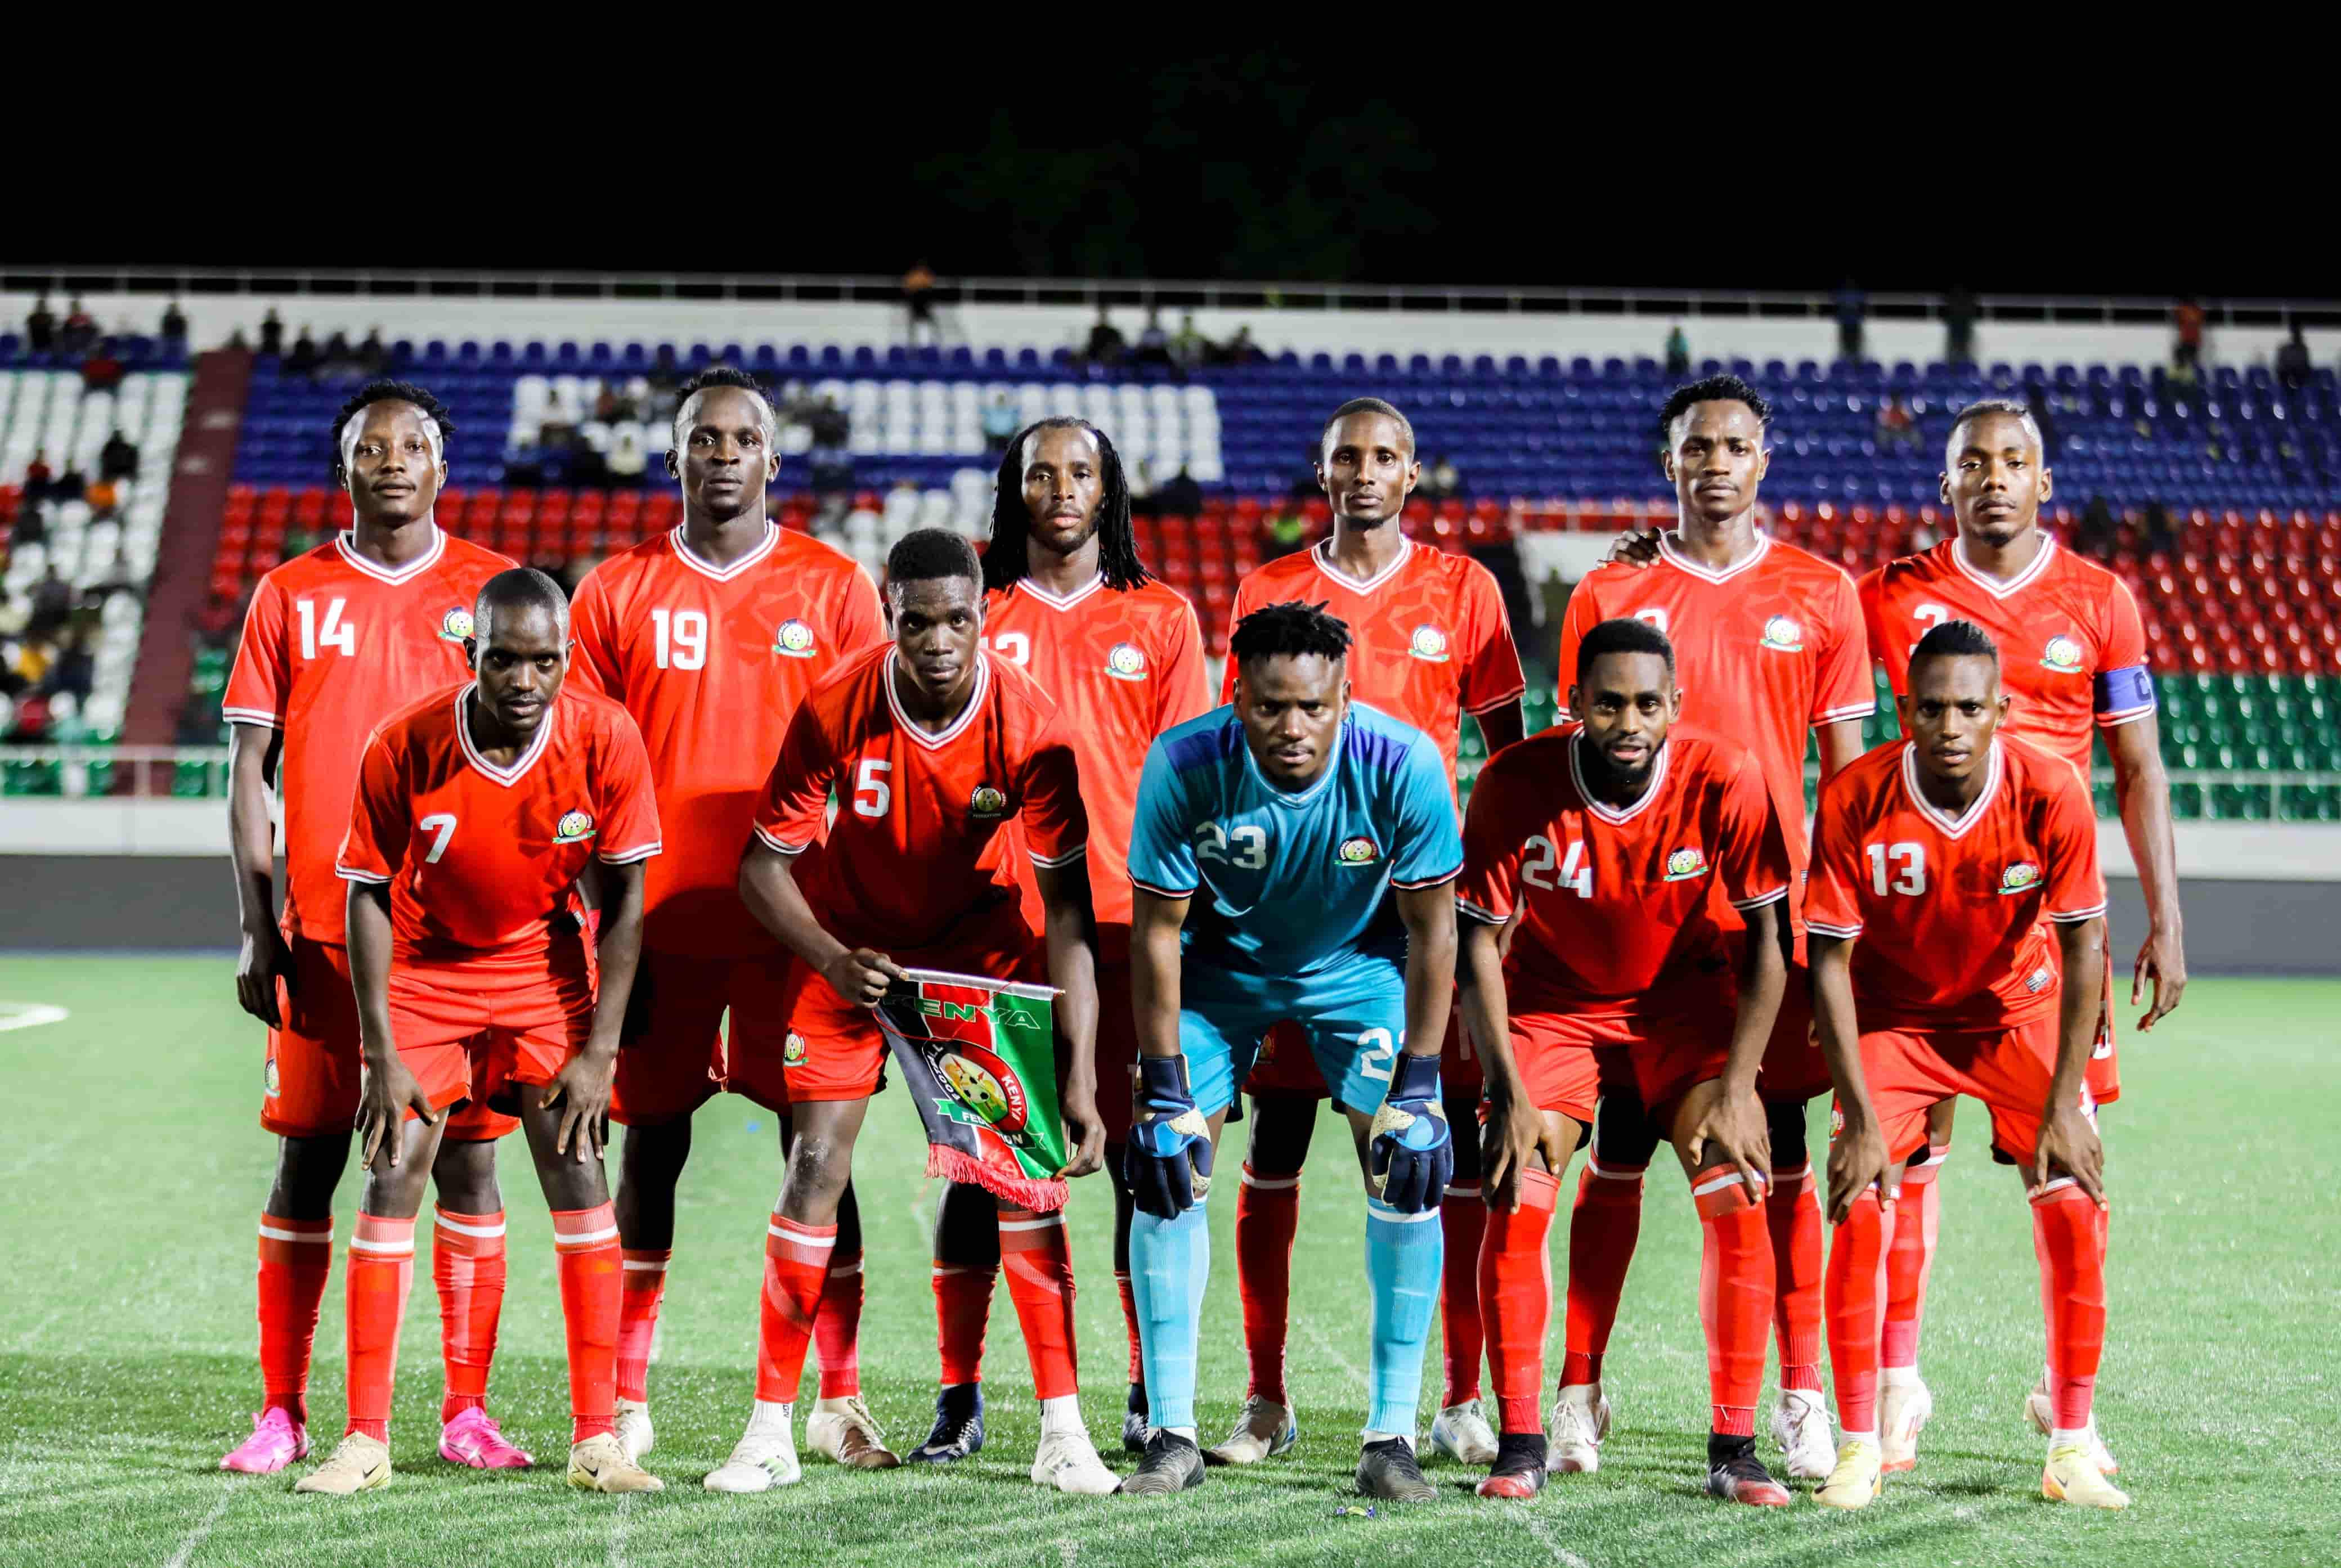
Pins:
x,y
1561,1555
195,1538
30,1015
618,1526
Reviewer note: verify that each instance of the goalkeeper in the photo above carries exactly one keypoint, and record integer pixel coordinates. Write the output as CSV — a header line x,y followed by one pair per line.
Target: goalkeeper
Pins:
x,y
1291,859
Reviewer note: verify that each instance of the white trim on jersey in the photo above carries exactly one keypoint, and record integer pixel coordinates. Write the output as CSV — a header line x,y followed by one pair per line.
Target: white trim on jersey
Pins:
x,y
1760,899
352,874
1078,852
1839,715
506,777
1820,929
628,857
706,567
346,542
1027,585
1954,827
957,727
2075,917
255,718
1681,562
1993,585
779,845
1323,556
1485,916
1611,813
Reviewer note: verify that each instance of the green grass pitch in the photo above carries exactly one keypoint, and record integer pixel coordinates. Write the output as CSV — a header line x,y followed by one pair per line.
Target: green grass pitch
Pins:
x,y
135,1171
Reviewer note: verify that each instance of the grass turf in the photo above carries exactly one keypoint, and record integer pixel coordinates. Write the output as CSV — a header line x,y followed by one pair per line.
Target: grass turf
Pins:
x,y
134,1171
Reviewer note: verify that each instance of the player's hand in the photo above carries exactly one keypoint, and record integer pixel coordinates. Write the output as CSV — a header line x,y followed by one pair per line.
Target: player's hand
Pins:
x,y
2068,1144
386,1092
1733,1125
2163,960
1410,1153
1636,547
1858,1161
581,1088
862,976
1086,1131
264,960
1168,1162
1513,1134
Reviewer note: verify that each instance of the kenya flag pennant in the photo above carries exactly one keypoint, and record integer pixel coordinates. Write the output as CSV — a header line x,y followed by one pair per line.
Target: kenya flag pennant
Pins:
x,y
980,1057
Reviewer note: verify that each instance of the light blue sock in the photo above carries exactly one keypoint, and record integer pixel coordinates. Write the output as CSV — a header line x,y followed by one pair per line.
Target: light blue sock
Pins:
x,y
1404,1253
1169,1264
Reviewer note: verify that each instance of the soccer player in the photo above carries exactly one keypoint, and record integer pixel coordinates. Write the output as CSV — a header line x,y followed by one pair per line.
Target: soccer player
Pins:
x,y
1429,643
1068,601
1290,860
947,762
1939,864
1769,643
2073,664
1623,843
710,636
335,638
478,810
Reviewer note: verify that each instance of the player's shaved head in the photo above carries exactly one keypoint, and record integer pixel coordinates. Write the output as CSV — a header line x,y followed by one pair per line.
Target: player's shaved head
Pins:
x,y
1626,697
519,648
1292,689
1996,474
1954,707
1366,463
519,589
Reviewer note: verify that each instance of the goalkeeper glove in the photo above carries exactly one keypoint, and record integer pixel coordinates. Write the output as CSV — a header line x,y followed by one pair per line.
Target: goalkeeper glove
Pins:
x,y
1169,1162
1412,1153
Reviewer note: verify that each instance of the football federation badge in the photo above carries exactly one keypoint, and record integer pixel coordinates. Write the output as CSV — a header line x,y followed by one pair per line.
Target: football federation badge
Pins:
x,y
1126,661
1428,644
793,639
1358,852
1782,633
1685,864
455,625
792,1050
986,801
2018,878
2062,655
573,826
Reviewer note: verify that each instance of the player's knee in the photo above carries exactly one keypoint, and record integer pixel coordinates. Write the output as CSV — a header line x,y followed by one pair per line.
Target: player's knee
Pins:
x,y
819,1165
655,1152
465,1175
1785,1122
308,1172
1281,1126
1624,1136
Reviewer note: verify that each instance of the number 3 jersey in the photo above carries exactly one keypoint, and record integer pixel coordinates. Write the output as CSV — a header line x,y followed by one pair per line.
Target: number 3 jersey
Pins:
x,y
1289,883
332,645
482,858
1628,910
1951,909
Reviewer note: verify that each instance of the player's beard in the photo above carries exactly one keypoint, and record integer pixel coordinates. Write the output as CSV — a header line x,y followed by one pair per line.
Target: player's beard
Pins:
x,y
1618,784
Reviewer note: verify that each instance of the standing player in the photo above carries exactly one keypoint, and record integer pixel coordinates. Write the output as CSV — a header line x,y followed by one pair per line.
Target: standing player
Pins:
x,y
1320,836
478,810
335,638
948,763
1939,863
1429,643
710,636
1068,600
1622,843
2074,665
1769,643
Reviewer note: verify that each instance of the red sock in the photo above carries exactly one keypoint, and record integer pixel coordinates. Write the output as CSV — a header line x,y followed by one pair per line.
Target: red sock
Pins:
x,y
1039,1269
591,1266
1792,1212
1268,1213
297,1258
796,1263
638,1309
380,1270
1602,1229
1516,1290
1909,1259
1130,1321
837,1326
962,1312
1462,1217
1735,1296
468,1262
1856,1285
2068,1235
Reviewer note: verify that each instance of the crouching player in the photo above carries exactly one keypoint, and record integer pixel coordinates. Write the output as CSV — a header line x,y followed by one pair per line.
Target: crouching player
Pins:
x,y
1313,841
1622,844
478,810
1939,864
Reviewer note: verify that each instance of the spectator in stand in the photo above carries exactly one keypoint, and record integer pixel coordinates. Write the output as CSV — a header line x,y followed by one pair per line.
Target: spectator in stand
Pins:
x,y
2291,364
1282,532
2096,534
1140,480
1897,430
2186,317
52,601
1677,352
1852,311
558,427
338,360
174,326
1180,495
104,498
829,425
118,458
41,327
32,526
271,332
1241,351
665,373
1153,342
609,408
1958,326
1000,424
1106,344
75,669
303,359
38,476
1188,348
70,485
372,357
103,371
918,302
627,459
79,334
2161,538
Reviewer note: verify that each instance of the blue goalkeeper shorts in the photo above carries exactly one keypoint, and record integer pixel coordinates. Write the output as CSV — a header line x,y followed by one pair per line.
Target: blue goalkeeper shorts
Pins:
x,y
1354,1017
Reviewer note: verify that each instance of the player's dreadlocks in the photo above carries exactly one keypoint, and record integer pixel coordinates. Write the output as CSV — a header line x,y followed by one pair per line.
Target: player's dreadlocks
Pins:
x,y
520,588
924,554
1991,406
1623,635
1955,639
1291,628
437,422
1368,405
1711,388
1009,556
726,376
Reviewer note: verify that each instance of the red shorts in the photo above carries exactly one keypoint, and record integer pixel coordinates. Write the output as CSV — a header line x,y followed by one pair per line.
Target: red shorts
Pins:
x,y
1794,1069
472,1031
1286,1066
834,1050
1117,1051
1909,1070
686,1051
1568,1061
309,1088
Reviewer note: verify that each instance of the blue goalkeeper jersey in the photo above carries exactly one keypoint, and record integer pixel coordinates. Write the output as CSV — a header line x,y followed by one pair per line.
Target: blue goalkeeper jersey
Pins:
x,y
1288,884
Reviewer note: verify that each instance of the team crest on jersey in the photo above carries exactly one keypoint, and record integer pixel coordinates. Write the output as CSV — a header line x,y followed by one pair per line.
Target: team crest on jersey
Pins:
x,y
1428,644
268,1081
455,625
986,801
1837,1121
2062,655
1126,661
1685,864
793,639
1783,632
573,826
1358,852
2018,878
792,1050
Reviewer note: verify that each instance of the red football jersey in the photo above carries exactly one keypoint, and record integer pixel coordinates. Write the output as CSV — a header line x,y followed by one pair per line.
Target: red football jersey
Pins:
x,y
333,645
1430,641
1123,668
1951,910
2072,651
482,858
1621,912
925,839
713,662
1764,652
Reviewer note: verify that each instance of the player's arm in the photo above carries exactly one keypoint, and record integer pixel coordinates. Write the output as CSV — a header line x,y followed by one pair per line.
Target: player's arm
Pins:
x,y
1168,1162
1155,922
1841,743
2142,788
388,1089
252,752
583,1084
1858,1158
1071,938
1515,1129
2067,1142
1502,725
768,886
1429,916
1733,1122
